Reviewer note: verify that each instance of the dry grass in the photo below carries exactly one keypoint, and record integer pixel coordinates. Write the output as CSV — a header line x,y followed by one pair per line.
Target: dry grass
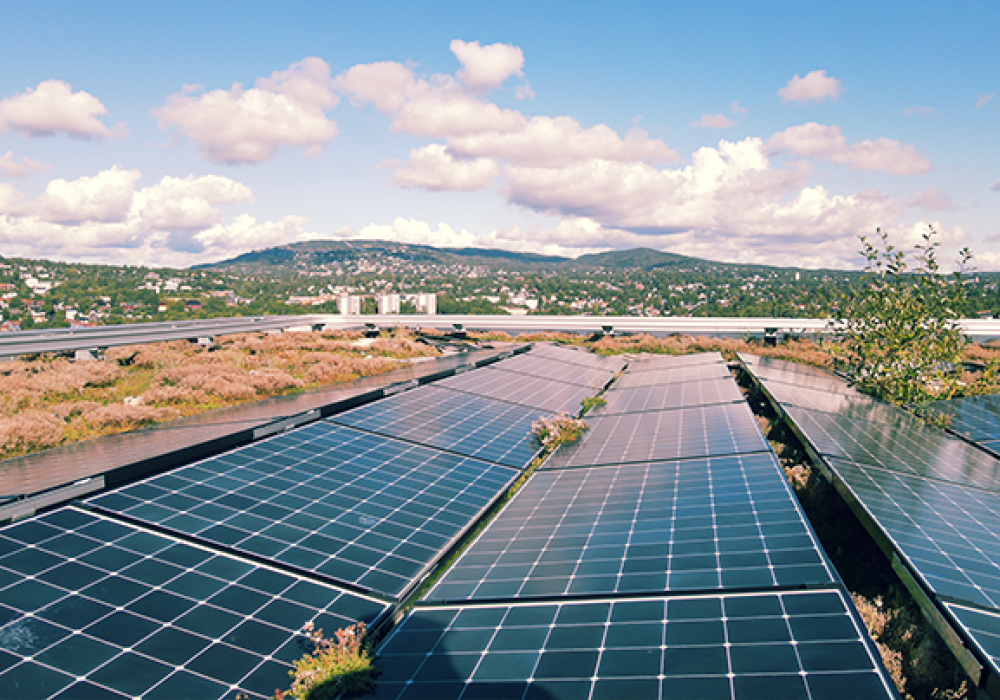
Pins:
x,y
49,401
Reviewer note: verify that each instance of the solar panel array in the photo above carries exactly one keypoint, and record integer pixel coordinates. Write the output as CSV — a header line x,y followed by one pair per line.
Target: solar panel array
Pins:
x,y
353,507
196,582
935,497
654,560
92,607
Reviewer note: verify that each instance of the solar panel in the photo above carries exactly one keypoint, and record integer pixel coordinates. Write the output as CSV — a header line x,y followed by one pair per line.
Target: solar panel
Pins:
x,y
705,431
97,608
789,395
950,534
698,524
975,417
534,392
803,644
557,370
983,628
667,396
451,420
646,363
577,356
772,370
909,446
358,508
673,375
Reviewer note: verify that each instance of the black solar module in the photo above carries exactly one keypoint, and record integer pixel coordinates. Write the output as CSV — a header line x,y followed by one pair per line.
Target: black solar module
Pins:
x,y
455,421
756,646
646,363
359,508
578,357
975,417
909,446
594,378
705,431
667,396
982,627
771,371
697,524
91,607
673,375
949,533
534,392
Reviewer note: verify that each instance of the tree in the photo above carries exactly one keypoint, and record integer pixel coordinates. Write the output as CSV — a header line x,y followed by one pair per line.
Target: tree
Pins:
x,y
901,337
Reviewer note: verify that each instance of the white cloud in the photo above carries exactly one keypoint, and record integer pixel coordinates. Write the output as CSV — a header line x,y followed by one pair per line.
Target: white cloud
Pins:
x,y
103,198
105,218
188,203
434,168
817,86
562,141
53,108
931,199
249,126
984,100
485,68
737,108
714,121
829,143
11,168
442,106
996,187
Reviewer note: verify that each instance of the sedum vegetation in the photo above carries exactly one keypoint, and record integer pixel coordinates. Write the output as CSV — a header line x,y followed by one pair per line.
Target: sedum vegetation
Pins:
x,y
48,401
337,667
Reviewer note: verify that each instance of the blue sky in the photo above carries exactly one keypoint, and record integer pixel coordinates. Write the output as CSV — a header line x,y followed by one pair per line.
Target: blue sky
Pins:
x,y
755,132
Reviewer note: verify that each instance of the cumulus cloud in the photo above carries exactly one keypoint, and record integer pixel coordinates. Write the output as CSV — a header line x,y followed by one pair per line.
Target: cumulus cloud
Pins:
x,y
485,68
53,108
817,86
249,126
105,217
829,143
452,108
931,199
434,168
714,121
984,100
9,167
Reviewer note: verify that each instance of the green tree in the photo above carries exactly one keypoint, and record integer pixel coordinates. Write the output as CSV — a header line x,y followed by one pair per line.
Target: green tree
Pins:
x,y
901,337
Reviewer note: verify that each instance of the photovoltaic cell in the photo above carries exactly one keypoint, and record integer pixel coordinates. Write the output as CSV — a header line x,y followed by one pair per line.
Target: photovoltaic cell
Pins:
x,y
452,420
790,395
355,507
534,392
667,396
91,607
592,378
706,431
909,447
950,534
698,524
746,647
673,375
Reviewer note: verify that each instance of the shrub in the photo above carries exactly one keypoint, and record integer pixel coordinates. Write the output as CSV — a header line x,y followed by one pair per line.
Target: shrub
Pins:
x,y
118,415
333,668
592,402
901,338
